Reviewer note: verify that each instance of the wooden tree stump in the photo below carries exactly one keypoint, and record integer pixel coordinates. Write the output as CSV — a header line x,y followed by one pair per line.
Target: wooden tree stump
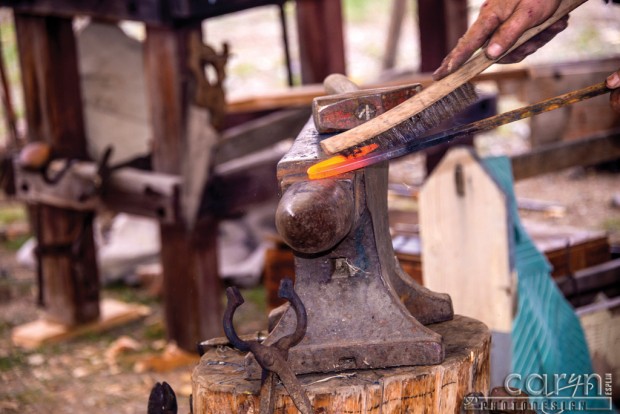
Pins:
x,y
219,386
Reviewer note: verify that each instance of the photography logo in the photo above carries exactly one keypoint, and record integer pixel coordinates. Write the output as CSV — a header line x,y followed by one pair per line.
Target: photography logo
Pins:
x,y
548,394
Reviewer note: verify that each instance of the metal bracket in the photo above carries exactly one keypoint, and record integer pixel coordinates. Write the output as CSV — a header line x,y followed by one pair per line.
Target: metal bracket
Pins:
x,y
208,69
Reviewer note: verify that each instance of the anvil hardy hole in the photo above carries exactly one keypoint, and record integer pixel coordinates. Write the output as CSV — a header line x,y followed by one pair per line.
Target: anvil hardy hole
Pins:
x,y
340,268
347,362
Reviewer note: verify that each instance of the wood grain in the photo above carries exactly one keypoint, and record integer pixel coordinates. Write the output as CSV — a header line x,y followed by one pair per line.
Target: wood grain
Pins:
x,y
465,240
218,386
433,93
191,282
52,98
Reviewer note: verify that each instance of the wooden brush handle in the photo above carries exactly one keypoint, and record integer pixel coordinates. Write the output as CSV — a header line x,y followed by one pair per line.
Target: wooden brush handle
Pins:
x,y
435,91
337,83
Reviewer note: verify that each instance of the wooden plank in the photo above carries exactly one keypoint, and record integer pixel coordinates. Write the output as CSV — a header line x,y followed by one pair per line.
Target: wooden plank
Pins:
x,y
43,332
191,282
234,188
48,61
260,133
595,149
591,279
321,39
303,95
465,240
441,24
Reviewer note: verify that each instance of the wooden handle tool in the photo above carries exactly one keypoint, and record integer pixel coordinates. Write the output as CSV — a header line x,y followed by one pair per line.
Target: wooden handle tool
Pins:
x,y
340,164
340,111
436,91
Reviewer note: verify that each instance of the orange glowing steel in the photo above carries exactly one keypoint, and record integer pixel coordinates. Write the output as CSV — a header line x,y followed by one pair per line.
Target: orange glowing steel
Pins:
x,y
340,164
368,156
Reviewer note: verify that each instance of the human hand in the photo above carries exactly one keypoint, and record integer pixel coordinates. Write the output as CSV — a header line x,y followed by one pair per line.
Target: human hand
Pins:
x,y
613,82
499,25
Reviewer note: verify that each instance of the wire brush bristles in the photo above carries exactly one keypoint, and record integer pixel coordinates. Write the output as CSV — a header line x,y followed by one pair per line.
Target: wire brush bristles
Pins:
x,y
427,119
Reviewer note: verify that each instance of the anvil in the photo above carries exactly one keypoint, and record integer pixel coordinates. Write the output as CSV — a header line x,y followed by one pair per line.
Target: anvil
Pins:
x,y
364,311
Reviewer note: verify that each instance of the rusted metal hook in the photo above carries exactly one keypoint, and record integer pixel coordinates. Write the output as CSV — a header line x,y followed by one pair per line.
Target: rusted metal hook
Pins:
x,y
234,301
273,359
286,291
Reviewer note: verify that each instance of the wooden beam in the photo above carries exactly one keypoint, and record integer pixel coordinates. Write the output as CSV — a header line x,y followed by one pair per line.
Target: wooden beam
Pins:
x,y
129,190
192,290
592,150
240,184
301,96
155,12
67,263
151,11
187,9
235,187
41,332
592,279
321,39
260,133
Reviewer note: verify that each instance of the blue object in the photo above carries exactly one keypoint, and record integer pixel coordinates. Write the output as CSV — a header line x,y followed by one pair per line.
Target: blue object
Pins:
x,y
548,342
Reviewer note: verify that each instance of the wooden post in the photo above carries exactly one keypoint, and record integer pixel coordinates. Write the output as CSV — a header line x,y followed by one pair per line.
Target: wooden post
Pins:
x,y
321,40
68,266
442,23
192,288
399,7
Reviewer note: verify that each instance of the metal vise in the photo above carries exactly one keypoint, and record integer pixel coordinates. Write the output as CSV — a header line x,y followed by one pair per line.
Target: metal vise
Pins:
x,y
364,311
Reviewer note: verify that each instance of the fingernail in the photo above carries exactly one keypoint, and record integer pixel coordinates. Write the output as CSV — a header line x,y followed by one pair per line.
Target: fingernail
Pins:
x,y
494,50
613,81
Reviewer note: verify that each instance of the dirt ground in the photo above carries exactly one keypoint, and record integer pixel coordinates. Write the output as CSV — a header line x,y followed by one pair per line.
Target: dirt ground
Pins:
x,y
76,377
104,372
82,375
